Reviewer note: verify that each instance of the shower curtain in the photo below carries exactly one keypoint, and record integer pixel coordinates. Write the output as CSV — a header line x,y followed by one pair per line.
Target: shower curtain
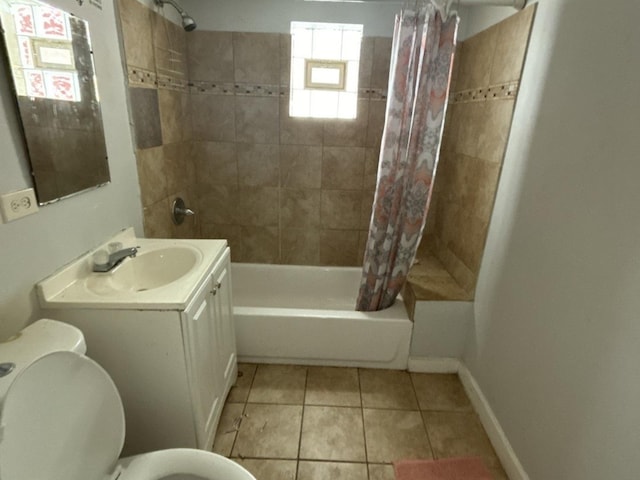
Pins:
x,y
421,59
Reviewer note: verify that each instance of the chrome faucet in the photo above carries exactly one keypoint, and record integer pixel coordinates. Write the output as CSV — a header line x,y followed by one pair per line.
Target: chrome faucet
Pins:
x,y
104,263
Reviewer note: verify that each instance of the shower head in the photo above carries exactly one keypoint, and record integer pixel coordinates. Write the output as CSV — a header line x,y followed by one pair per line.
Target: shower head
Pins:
x,y
188,23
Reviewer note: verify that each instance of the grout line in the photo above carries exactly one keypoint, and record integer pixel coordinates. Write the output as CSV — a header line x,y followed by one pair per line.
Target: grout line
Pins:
x,y
424,423
244,410
364,434
304,398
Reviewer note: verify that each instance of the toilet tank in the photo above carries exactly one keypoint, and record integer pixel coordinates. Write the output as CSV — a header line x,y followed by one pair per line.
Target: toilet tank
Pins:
x,y
38,339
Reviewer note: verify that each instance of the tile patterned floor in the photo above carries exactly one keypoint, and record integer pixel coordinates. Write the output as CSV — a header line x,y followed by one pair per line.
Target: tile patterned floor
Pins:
x,y
289,422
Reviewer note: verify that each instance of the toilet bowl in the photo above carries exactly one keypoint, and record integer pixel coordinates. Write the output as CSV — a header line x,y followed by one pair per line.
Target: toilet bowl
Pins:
x,y
62,419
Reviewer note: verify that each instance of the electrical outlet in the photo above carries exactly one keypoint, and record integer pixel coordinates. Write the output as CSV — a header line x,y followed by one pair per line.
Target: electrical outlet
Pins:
x,y
18,204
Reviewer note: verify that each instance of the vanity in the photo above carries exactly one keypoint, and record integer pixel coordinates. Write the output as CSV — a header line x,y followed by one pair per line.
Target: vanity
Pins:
x,y
161,324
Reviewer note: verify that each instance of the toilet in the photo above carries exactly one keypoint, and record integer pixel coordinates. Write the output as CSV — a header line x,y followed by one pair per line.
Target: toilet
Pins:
x,y
61,418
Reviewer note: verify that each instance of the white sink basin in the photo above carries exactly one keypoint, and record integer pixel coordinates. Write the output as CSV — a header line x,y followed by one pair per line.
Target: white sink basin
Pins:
x,y
148,270
164,275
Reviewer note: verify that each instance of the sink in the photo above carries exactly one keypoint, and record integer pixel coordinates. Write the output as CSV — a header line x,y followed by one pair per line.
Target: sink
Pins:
x,y
147,271
165,274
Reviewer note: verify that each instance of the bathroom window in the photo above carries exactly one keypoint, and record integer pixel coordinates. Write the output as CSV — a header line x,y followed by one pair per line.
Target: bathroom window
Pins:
x,y
325,59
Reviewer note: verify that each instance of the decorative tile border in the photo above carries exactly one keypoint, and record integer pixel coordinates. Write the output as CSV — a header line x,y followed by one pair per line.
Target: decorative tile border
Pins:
x,y
493,92
139,77
254,90
172,83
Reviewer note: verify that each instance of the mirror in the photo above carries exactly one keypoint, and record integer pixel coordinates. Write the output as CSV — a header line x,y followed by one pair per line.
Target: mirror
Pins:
x,y
48,52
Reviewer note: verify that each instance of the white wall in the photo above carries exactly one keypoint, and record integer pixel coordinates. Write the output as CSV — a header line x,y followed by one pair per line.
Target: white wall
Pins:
x,y
34,246
274,16
556,345
476,19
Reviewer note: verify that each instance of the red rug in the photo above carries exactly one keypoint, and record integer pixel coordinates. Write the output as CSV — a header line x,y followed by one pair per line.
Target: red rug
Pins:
x,y
446,469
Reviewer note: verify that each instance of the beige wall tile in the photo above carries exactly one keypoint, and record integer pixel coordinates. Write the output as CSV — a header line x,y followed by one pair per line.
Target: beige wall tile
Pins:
x,y
493,129
215,164
299,208
256,57
377,110
179,167
451,128
339,247
285,59
174,116
219,204
338,132
381,61
135,21
300,246
511,46
298,131
258,165
259,244
157,220
363,235
151,175
210,56
257,206
332,433
471,114
342,167
476,59
213,118
340,209
371,160
300,166
145,114
366,209
257,119
269,431
231,233
170,47
366,62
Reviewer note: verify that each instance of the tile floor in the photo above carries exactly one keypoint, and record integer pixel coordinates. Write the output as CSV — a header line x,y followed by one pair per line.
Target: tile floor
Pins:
x,y
289,422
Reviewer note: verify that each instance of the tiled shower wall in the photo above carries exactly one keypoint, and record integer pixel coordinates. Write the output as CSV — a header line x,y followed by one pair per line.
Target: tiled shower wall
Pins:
x,y
210,114
281,189
155,52
485,82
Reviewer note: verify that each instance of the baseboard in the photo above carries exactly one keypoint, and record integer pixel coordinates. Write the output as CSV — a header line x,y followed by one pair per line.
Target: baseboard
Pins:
x,y
433,365
499,440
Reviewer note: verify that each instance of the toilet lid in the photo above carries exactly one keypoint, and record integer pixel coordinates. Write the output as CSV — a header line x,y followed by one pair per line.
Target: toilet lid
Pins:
x,y
62,419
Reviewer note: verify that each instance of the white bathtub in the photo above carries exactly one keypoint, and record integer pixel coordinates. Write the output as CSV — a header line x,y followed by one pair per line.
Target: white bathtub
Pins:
x,y
305,315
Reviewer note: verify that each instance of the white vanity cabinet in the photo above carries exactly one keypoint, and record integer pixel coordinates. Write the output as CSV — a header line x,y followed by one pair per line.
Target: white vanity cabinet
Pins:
x,y
211,352
173,366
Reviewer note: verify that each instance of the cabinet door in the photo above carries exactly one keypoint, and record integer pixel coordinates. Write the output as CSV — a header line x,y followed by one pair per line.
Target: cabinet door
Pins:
x,y
224,322
201,336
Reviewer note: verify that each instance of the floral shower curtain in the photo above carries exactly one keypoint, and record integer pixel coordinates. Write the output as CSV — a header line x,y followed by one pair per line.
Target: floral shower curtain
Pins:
x,y
421,59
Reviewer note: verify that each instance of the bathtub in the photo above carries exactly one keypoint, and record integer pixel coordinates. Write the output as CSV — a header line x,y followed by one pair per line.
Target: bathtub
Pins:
x,y
305,315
